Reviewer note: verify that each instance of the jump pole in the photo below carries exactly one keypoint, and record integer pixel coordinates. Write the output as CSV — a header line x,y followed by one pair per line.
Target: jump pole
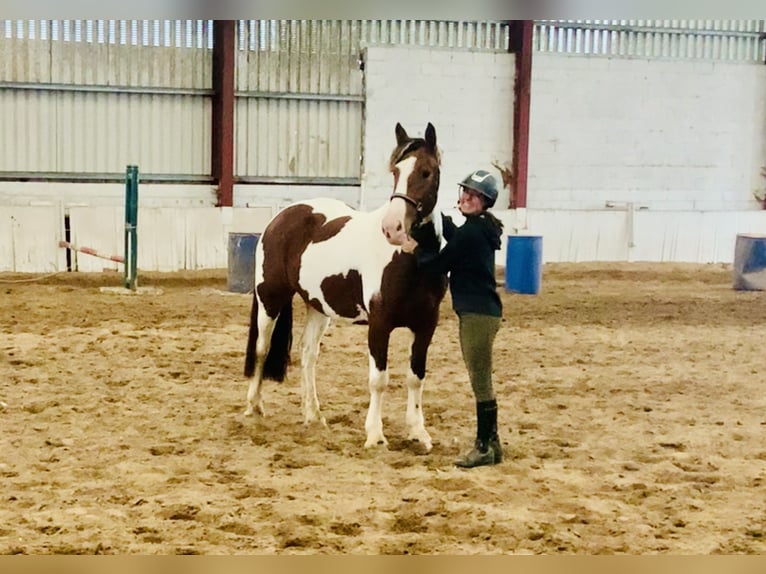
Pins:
x,y
91,251
131,227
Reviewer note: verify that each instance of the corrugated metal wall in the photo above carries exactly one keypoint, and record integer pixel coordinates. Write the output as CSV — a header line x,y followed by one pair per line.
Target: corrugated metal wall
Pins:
x,y
84,98
727,40
299,101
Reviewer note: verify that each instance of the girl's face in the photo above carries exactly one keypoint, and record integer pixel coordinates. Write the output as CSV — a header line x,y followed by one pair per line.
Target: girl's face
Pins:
x,y
469,202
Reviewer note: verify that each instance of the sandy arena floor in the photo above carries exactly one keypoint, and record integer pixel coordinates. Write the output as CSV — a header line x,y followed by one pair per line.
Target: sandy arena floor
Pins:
x,y
632,410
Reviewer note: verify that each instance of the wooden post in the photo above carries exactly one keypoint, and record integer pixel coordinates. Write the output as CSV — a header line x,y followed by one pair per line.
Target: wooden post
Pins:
x,y
222,161
521,45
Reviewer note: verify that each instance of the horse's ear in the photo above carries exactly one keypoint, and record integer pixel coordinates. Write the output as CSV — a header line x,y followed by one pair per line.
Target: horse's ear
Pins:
x,y
431,135
401,135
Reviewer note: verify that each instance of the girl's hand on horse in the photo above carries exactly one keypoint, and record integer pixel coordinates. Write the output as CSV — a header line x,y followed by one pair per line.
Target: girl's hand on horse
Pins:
x,y
409,245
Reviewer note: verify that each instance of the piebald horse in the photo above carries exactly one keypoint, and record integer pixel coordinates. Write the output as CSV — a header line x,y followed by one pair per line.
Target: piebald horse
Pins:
x,y
349,264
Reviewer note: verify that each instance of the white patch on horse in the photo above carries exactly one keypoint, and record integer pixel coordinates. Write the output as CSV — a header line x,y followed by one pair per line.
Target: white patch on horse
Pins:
x,y
436,215
414,420
373,424
333,257
393,221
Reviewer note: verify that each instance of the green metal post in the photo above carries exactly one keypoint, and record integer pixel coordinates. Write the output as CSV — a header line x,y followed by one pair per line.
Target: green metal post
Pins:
x,y
131,226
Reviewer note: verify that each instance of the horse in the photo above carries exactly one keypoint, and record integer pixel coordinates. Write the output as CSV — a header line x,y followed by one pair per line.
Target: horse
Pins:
x,y
348,264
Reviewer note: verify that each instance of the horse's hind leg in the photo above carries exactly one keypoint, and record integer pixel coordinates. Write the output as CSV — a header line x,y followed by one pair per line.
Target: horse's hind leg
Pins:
x,y
416,429
262,345
316,325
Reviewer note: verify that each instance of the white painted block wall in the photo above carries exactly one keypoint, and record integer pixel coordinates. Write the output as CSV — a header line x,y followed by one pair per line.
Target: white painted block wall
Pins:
x,y
668,135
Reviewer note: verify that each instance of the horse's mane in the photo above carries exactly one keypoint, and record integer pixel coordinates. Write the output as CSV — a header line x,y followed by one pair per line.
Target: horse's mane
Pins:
x,y
400,152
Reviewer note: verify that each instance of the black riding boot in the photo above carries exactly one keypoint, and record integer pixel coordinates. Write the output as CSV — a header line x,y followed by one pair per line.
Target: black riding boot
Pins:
x,y
486,449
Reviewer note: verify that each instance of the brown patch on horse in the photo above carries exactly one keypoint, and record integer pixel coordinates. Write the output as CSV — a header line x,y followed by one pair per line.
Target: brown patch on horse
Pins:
x,y
423,181
408,292
344,294
284,242
329,229
408,298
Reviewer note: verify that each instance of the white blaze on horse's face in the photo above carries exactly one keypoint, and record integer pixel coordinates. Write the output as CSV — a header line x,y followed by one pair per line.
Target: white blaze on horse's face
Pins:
x,y
394,225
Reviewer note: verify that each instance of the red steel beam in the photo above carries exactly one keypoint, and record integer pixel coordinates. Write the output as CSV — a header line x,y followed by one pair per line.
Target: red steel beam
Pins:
x,y
521,45
222,144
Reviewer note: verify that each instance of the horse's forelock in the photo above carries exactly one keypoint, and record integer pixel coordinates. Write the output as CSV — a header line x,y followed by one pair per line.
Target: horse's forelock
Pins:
x,y
408,148
403,151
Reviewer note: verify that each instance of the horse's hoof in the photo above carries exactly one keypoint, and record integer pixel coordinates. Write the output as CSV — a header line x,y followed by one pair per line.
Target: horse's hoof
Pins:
x,y
313,418
258,409
423,445
422,437
320,421
379,441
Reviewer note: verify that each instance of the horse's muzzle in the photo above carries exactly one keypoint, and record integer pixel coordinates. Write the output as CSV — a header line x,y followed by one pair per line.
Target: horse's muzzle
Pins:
x,y
395,237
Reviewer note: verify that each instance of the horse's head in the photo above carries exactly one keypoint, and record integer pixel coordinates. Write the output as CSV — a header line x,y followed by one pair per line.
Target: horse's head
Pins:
x,y
415,165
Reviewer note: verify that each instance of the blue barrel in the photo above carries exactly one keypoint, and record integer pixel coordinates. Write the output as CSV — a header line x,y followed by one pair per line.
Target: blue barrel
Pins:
x,y
524,264
750,262
242,261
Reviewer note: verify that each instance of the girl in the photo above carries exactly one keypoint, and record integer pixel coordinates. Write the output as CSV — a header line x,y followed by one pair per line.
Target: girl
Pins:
x,y
469,257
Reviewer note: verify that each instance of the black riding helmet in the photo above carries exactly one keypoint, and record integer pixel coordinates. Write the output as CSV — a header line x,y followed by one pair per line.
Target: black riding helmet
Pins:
x,y
483,183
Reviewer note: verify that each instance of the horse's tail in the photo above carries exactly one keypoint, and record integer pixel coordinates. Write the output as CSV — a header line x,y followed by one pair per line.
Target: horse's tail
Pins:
x,y
278,357
275,366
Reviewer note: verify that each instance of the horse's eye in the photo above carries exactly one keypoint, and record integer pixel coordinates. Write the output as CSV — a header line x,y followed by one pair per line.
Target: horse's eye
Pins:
x,y
426,174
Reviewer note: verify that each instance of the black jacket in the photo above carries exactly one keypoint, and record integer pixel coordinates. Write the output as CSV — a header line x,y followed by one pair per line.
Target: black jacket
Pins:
x,y
469,257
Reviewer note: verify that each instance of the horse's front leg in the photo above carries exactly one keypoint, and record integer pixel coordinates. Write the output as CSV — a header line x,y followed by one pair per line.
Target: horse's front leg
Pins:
x,y
378,338
414,420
